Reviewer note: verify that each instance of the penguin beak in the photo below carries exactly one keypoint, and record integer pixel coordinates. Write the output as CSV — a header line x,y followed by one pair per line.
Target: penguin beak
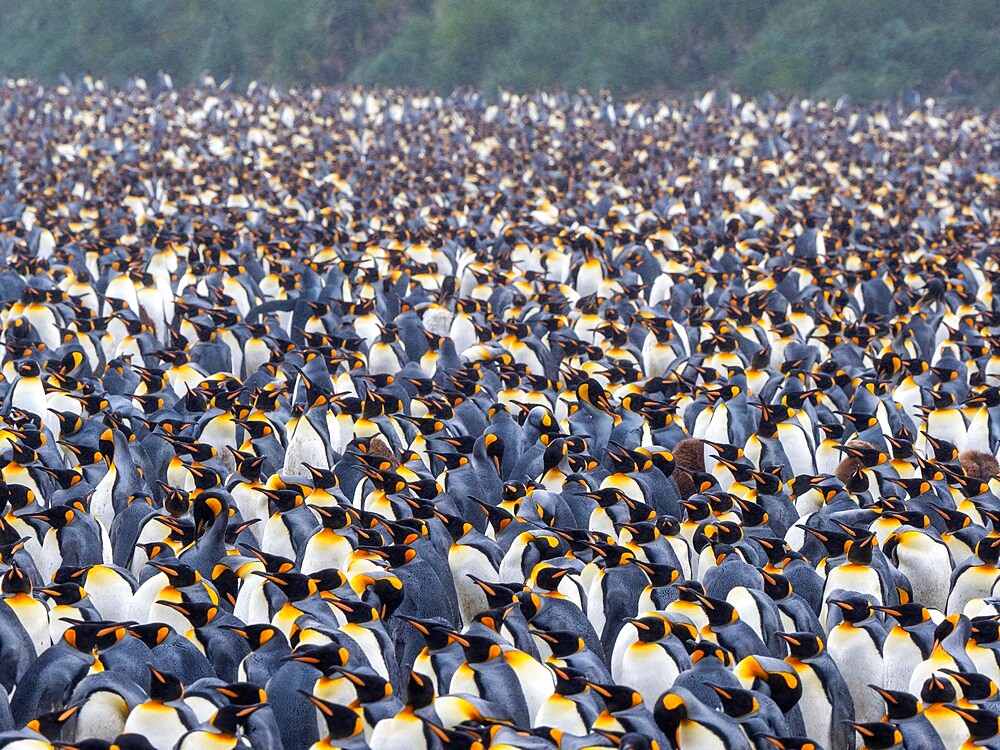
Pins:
x,y
300,658
174,606
165,569
267,576
246,525
416,624
965,715
787,638
888,610
720,691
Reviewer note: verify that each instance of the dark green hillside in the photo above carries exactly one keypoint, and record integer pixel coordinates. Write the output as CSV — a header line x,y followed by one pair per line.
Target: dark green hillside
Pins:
x,y
864,48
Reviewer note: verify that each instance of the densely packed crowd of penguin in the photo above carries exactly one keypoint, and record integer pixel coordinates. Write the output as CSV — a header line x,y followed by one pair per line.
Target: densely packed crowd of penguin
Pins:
x,y
370,419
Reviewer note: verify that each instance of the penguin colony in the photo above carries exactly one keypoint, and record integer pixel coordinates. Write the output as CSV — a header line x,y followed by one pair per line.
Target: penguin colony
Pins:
x,y
356,419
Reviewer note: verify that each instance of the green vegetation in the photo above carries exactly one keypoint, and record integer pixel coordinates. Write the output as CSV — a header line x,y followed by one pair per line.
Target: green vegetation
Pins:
x,y
865,48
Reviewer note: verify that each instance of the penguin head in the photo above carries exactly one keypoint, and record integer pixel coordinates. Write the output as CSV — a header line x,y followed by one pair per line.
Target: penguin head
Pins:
x,y
419,691
205,477
176,501
21,454
985,630
164,686
690,590
68,593
718,611
663,460
696,508
659,574
974,686
242,693
455,526
622,460
803,645
50,724
328,579
256,428
69,422
766,482
284,499
178,574
937,690
775,549
776,585
355,612
902,448
407,531
944,451
397,555
605,497
437,635
671,710
561,643
569,681
859,549
152,634
155,550
639,532
248,466
778,679
879,735
616,697
477,649
982,724
737,703
859,422
555,452
209,507
15,581
899,705
327,657
728,533
370,688
907,615
228,719
333,517
592,392
199,614
494,447
725,451
28,368
9,549
257,634
324,479
988,550
650,629
58,516
700,650
855,608
956,627
295,586
342,722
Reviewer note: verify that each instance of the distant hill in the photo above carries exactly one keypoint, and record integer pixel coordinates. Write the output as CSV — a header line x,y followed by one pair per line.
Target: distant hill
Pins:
x,y
863,48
